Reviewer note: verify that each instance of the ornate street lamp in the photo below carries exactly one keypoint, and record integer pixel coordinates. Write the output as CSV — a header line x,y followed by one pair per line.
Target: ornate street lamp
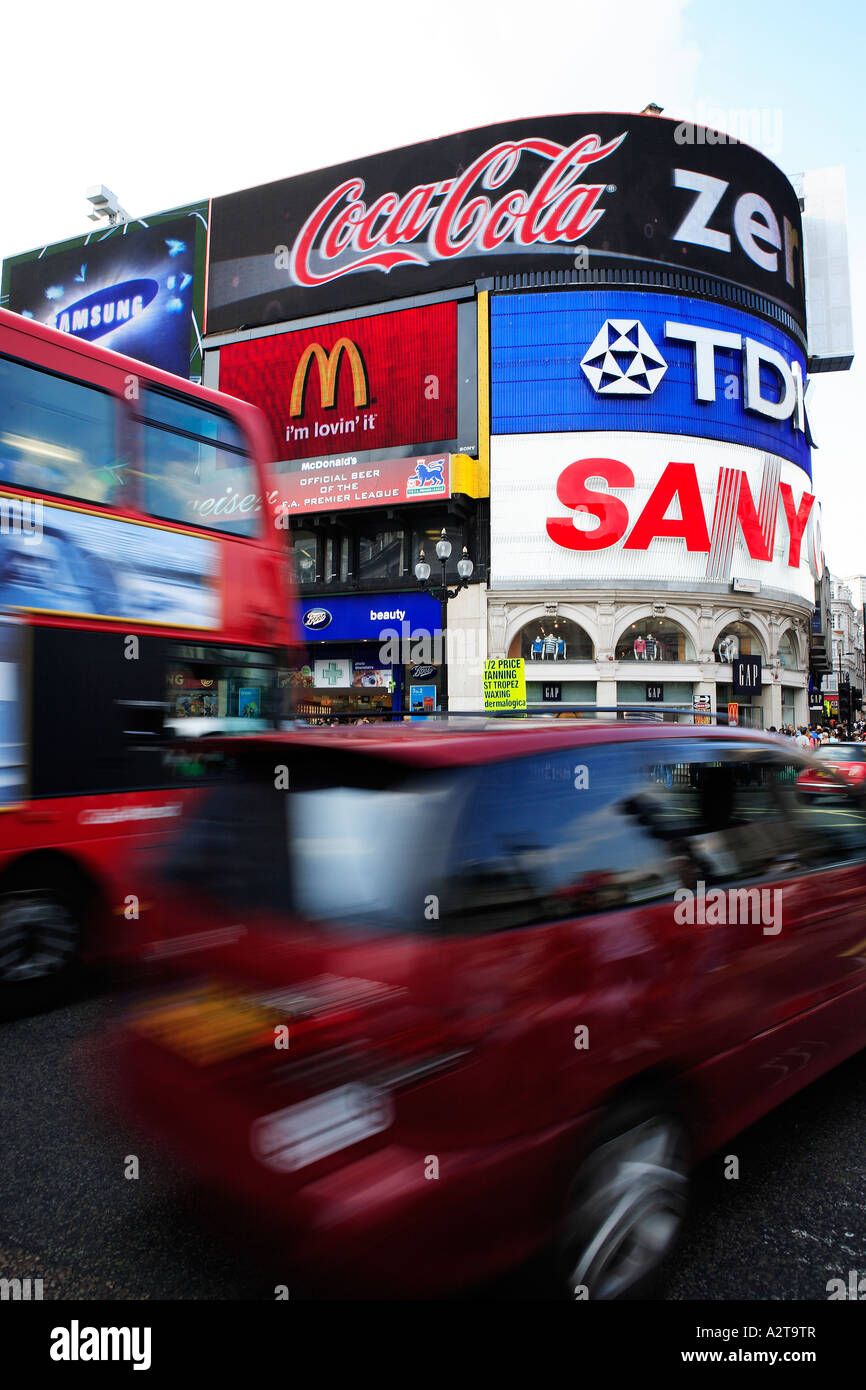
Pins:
x,y
441,592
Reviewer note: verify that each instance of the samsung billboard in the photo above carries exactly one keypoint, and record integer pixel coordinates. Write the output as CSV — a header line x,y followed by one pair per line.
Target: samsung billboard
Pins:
x,y
137,288
660,363
524,196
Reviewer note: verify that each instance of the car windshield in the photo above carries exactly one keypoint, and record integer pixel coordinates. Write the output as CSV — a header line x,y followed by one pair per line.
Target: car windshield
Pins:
x,y
842,752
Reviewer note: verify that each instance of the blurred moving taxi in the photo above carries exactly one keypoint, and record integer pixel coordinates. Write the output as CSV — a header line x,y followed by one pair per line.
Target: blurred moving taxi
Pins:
x,y
447,999
847,760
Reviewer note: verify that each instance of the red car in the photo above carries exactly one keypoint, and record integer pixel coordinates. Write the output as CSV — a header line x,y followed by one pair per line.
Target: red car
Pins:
x,y
847,760
450,999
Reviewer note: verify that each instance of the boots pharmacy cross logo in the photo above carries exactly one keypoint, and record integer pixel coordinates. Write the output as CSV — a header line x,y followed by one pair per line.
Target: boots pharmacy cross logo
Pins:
x,y
623,360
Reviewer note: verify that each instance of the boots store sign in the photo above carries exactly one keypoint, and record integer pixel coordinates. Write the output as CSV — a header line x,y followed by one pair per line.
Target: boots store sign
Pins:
x,y
622,360
602,190
651,509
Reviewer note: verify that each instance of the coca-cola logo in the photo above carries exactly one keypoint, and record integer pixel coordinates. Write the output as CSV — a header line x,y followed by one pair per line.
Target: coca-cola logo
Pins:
x,y
317,618
343,235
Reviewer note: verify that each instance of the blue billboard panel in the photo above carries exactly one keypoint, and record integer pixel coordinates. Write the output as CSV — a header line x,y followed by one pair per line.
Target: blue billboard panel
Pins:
x,y
365,617
663,363
135,288
78,563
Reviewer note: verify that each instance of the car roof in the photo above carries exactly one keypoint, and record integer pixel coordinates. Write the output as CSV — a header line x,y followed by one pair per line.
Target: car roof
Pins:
x,y
456,741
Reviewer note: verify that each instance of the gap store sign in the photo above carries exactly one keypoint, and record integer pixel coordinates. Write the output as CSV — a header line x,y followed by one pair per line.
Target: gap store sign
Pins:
x,y
666,364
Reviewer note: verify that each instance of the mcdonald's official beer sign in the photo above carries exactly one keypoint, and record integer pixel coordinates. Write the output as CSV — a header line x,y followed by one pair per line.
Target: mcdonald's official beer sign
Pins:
x,y
387,381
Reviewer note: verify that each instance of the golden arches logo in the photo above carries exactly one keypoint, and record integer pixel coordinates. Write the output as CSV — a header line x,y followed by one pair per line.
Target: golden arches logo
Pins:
x,y
328,364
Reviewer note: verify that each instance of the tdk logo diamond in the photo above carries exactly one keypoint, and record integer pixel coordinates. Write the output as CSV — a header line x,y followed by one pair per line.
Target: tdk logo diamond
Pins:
x,y
623,360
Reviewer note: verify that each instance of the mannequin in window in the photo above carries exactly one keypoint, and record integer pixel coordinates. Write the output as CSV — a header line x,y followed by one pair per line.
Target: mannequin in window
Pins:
x,y
651,647
640,648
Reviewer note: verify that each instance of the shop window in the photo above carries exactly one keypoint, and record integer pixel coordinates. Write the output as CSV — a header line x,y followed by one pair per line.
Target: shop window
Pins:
x,y
654,639
337,553
737,639
787,652
552,639
380,555
305,550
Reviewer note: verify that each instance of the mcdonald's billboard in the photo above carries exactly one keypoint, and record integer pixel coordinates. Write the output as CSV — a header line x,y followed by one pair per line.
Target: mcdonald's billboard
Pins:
x,y
388,381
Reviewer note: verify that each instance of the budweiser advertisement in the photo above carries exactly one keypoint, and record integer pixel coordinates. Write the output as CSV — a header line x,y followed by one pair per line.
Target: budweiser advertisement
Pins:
x,y
523,196
345,482
387,381
653,508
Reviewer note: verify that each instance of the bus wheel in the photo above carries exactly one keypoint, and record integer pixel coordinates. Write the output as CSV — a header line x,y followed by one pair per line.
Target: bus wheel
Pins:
x,y
39,943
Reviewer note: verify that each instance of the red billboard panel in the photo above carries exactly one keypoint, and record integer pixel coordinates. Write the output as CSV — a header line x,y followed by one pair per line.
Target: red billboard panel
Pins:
x,y
384,382
339,484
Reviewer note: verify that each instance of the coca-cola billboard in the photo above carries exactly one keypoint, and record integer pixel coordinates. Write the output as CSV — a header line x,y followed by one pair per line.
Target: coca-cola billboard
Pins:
x,y
600,190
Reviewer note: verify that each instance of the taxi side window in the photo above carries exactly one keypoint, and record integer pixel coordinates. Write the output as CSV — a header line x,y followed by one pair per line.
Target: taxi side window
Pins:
x,y
551,837
726,815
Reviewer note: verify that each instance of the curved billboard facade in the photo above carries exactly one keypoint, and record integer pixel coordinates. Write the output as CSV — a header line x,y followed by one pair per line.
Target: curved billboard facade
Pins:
x,y
519,197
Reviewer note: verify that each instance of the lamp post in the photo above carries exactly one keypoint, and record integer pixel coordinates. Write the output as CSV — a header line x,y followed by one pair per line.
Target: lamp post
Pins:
x,y
441,592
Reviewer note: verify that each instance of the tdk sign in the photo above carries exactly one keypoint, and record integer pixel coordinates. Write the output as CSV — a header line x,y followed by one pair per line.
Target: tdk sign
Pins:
x,y
623,360
667,364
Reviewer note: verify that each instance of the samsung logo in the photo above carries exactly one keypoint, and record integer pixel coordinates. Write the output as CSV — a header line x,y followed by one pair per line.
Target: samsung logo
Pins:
x,y
317,617
102,312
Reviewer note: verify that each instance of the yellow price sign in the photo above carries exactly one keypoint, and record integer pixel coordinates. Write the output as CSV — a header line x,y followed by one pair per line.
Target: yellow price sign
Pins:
x,y
504,684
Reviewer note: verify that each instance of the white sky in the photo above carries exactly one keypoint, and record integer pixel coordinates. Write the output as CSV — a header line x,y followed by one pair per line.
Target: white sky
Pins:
x,y
170,102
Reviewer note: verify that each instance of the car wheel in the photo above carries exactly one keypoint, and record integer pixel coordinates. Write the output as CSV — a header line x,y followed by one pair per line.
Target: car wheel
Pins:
x,y
626,1206
39,944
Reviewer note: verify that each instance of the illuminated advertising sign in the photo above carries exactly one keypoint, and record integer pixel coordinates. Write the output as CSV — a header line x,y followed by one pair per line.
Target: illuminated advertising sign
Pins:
x,y
136,288
517,197
86,565
662,363
371,617
388,381
343,483
607,507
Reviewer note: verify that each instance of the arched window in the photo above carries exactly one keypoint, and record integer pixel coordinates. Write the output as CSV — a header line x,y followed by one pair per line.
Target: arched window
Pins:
x,y
552,639
654,639
737,639
787,652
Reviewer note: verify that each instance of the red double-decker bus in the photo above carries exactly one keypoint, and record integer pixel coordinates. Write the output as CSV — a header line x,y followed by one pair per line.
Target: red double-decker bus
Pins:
x,y
145,595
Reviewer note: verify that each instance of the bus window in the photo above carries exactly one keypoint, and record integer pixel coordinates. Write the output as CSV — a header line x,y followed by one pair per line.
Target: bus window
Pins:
x,y
58,435
195,467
